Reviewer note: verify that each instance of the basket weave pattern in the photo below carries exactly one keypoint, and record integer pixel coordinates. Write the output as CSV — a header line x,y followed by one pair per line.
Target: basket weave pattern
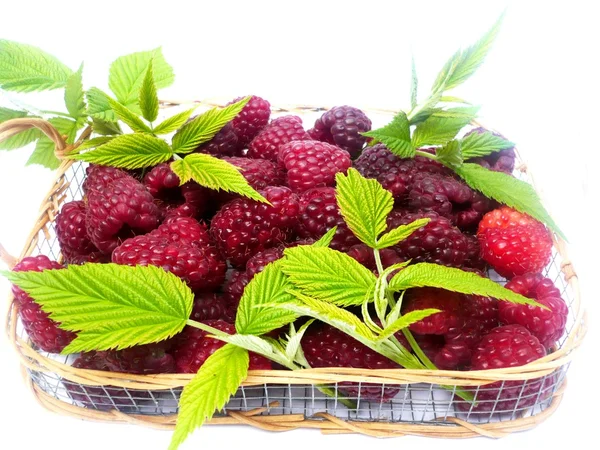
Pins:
x,y
284,400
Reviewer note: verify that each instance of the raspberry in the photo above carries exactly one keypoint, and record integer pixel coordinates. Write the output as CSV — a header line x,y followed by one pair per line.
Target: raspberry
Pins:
x,y
233,290
506,346
211,306
253,118
364,255
449,304
181,246
244,227
311,164
547,325
514,243
474,259
280,131
75,245
98,177
224,143
319,213
502,161
259,173
325,346
260,260
437,242
41,329
194,347
141,359
342,126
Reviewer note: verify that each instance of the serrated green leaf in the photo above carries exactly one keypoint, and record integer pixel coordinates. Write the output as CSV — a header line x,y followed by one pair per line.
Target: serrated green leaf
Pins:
x,y
18,140
404,321
364,204
267,287
453,99
99,105
94,142
295,338
129,117
327,274
110,305
66,127
252,343
25,68
105,127
8,114
217,380
481,144
214,173
450,154
127,74
456,280
148,98
443,126
129,151
43,154
507,190
173,123
414,83
74,94
395,136
400,233
203,127
325,240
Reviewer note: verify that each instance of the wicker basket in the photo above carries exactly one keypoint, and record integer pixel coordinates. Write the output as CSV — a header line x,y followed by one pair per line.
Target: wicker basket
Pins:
x,y
283,400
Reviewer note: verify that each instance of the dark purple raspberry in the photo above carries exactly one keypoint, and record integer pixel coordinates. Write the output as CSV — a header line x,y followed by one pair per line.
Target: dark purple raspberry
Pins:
x,y
311,164
181,246
501,161
244,227
232,292
141,359
449,303
364,255
258,172
279,132
212,306
41,329
319,213
437,242
98,177
342,126
260,260
474,259
224,143
253,118
75,245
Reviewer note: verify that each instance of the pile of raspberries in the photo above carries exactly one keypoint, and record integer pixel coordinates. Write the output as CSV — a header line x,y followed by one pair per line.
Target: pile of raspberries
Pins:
x,y
216,242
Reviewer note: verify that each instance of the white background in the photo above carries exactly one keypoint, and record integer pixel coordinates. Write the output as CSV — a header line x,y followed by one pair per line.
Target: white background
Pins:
x,y
539,87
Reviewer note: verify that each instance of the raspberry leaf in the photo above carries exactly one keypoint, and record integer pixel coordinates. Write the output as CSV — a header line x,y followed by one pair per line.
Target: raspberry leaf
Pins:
x,y
105,127
405,321
268,287
128,151
173,123
148,98
507,190
400,233
293,351
364,204
74,94
111,306
482,144
205,126
94,142
456,280
99,105
129,117
254,344
442,126
217,380
25,68
395,136
214,173
325,240
327,274
44,150
450,154
18,140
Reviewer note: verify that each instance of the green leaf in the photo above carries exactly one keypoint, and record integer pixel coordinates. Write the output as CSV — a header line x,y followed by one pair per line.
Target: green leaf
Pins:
x,y
443,126
414,83
507,190
203,127
99,105
327,274
364,204
400,233
453,99
129,117
74,94
450,154
129,151
66,127
148,98
94,142
395,136
214,173
292,347
253,343
43,154
325,240
106,128
25,68
217,380
456,280
18,140
405,321
127,74
110,305
267,287
8,114
481,144
173,123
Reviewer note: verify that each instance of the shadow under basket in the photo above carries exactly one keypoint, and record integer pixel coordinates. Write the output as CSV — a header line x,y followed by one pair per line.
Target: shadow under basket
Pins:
x,y
509,400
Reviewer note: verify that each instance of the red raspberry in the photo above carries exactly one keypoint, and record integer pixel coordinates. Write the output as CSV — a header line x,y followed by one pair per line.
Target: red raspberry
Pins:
x,y
244,227
547,325
75,245
258,172
211,306
141,359
311,164
325,346
474,259
280,131
42,330
233,290
364,255
98,177
253,118
449,304
502,161
181,246
194,347
319,213
260,260
437,242
514,243
342,126
224,143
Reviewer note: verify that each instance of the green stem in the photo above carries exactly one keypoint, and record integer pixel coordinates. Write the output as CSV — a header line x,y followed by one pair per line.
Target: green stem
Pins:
x,y
378,262
202,326
57,113
176,156
426,155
